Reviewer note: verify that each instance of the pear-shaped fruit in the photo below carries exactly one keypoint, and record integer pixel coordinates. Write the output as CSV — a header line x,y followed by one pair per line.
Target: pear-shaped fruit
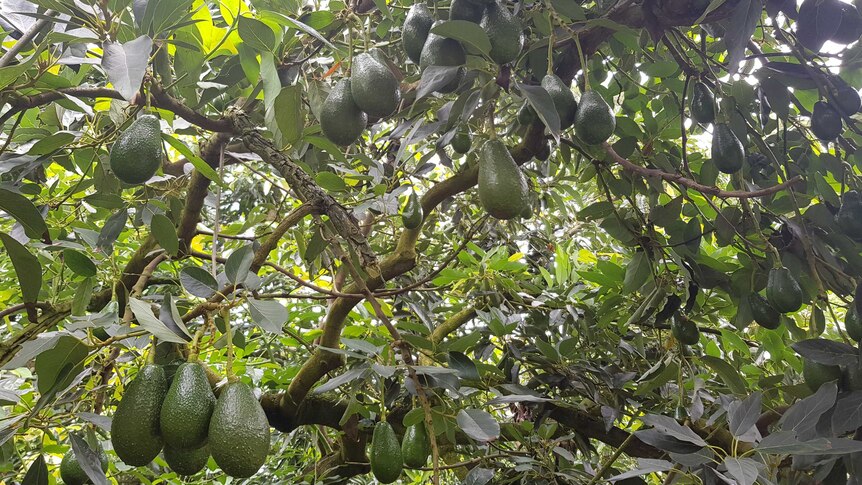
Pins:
x,y
415,447
187,408
461,142
684,330
239,431
340,118
847,98
527,115
594,121
850,28
564,99
504,31
853,323
137,153
442,51
385,455
816,374
468,10
502,186
187,462
849,217
415,30
412,214
826,121
135,430
373,86
702,103
727,151
763,313
783,291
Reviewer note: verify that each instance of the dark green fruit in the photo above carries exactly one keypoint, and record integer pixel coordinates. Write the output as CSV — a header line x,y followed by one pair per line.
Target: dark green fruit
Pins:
x,y
135,431
187,408
685,331
187,462
340,118
783,291
527,115
594,121
847,99
816,374
727,151
504,31
702,103
850,28
853,324
826,122
442,51
412,215
239,431
461,142
544,152
849,217
137,153
466,10
564,100
385,455
417,24
373,86
763,313
416,447
502,185
71,471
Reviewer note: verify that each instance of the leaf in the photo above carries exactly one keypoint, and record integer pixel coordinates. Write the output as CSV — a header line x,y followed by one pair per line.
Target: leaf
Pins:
x,y
170,316
478,424
434,78
288,114
829,352
268,314
111,230
335,382
543,104
296,24
331,182
37,474
68,353
479,476
146,319
82,296
52,143
645,465
165,233
744,470
238,264
516,398
848,413
103,422
198,282
27,268
727,373
200,165
88,459
803,416
662,441
785,443
79,263
256,34
466,32
742,415
670,427
637,272
466,368
23,211
126,64
740,28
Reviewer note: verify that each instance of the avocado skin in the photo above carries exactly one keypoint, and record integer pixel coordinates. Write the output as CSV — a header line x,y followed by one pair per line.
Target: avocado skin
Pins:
x,y
594,121
850,28
415,30
187,408
373,86
847,99
684,330
239,431
727,151
849,217
563,99
441,51
763,313
504,31
702,104
187,462
412,215
826,122
502,186
783,291
135,431
341,121
385,456
816,374
853,324
461,142
137,152
466,10
71,471
415,447
527,115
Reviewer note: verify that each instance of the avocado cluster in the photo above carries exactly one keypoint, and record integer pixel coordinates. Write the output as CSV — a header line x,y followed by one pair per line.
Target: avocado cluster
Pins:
x,y
388,457
813,32
184,420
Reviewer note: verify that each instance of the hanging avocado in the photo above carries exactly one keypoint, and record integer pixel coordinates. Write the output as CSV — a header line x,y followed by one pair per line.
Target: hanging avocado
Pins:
x,y
853,324
502,185
135,430
137,153
702,105
826,122
527,115
727,151
564,100
461,142
684,330
594,121
442,51
415,447
468,10
411,216
504,31
341,121
373,86
385,456
816,374
783,291
239,431
849,217
846,98
763,313
415,30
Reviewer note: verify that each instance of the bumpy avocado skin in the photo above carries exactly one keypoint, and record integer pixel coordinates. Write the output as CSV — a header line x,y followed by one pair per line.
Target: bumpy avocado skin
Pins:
x,y
763,313
816,374
373,86
415,447
135,430
783,291
412,215
564,100
187,462
502,186
702,104
853,324
849,217
504,31
137,152
466,10
187,408
239,431
415,30
441,51
826,122
385,456
685,331
594,121
727,151
341,120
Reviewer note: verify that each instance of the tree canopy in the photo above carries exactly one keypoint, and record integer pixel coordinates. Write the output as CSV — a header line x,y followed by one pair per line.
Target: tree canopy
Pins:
x,y
545,242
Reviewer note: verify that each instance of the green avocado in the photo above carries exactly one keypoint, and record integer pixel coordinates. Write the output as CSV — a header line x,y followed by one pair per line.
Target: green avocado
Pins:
x,y
594,121
816,374
850,27
684,330
373,86
783,291
415,30
239,431
187,462
461,142
763,313
847,98
411,216
853,324
466,10
137,153
702,103
415,447
502,185
544,152
187,408
71,471
385,456
851,377
340,119
135,431
849,217
826,122
442,51
727,151
564,100
527,115
504,31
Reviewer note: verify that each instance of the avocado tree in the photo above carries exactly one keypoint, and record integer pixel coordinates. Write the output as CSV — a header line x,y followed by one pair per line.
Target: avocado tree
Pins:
x,y
472,241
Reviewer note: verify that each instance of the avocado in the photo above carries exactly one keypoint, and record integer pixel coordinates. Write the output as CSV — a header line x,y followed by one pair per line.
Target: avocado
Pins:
x,y
373,86
544,152
847,99
782,291
684,330
504,31
340,119
385,456
187,408
71,471
135,431
763,313
849,217
502,185
851,377
137,152
415,30
816,374
727,151
239,431
702,105
411,216
415,446
442,51
187,462
564,100
850,27
853,324
594,121
527,115
461,142
466,10
826,122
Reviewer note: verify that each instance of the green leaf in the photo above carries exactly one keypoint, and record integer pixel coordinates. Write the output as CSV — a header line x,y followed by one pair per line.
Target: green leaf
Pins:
x,y
112,229
331,182
200,165
52,143
82,296
26,266
238,264
296,24
727,373
68,351
165,233
268,314
465,31
79,263
126,64
198,282
146,318
37,474
542,102
20,208
637,272
256,34
478,424
287,114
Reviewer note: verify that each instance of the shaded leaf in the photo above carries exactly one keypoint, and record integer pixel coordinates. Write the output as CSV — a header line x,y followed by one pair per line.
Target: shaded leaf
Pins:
x,y
145,317
24,212
198,281
478,424
27,268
